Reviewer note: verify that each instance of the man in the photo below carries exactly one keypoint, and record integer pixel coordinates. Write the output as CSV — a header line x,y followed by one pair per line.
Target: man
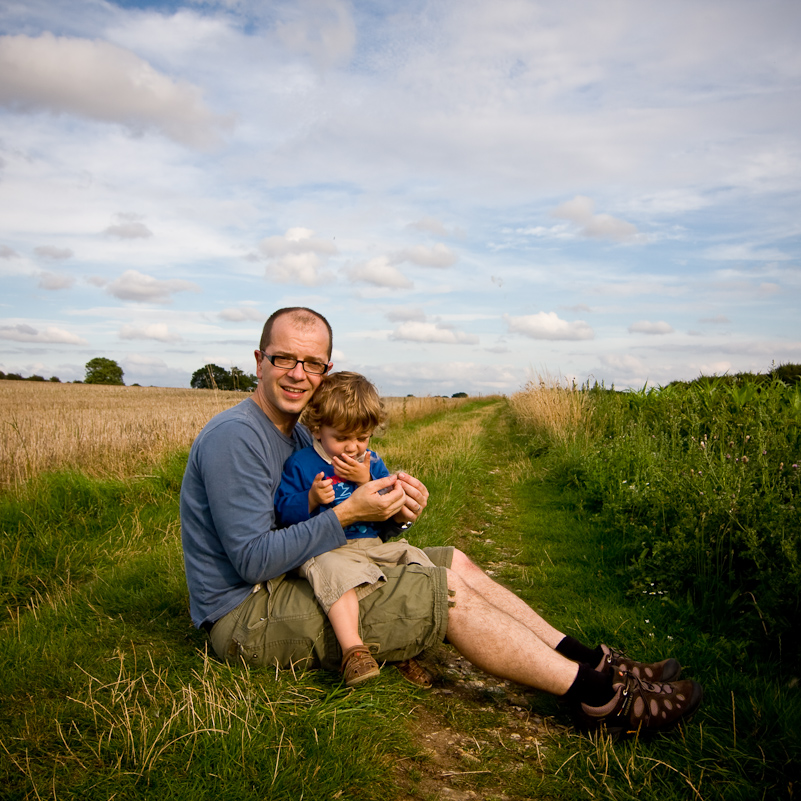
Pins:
x,y
241,591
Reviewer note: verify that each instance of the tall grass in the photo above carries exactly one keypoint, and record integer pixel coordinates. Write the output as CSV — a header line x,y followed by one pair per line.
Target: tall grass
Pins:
x,y
699,487
100,430
554,410
406,410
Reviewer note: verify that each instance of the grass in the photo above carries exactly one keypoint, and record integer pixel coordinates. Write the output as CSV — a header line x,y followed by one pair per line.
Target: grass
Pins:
x,y
108,691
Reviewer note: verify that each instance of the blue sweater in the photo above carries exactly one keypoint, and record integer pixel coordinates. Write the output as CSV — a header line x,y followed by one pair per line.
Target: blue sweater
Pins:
x,y
292,498
228,524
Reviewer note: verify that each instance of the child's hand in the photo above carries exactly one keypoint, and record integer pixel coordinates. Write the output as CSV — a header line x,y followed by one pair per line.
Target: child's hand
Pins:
x,y
321,492
348,468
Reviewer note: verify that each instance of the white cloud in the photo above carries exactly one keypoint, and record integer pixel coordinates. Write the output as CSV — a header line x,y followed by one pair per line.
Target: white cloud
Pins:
x,y
648,327
158,331
414,331
581,211
135,286
644,287
54,253
402,314
297,257
322,30
51,335
548,325
718,319
7,253
378,272
746,253
54,281
624,364
98,80
437,256
129,230
431,225
242,314
436,378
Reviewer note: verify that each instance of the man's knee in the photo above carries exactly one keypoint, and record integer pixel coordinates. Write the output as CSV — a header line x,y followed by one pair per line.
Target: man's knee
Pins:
x,y
464,566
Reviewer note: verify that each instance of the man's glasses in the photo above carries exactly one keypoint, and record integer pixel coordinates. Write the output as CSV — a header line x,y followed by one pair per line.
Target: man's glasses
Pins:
x,y
288,363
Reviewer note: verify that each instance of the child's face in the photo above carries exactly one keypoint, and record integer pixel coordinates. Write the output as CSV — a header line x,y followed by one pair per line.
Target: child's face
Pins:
x,y
336,442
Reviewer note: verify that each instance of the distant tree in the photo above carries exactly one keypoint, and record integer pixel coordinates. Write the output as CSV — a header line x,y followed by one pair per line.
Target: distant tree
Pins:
x,y
55,379
13,377
211,376
459,395
242,381
103,371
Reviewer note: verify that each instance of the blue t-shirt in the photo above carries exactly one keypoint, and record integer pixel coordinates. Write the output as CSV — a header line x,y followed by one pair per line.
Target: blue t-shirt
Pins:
x,y
292,497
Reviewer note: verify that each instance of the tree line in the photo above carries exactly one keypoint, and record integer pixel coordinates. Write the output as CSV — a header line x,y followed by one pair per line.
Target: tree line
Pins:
x,y
106,371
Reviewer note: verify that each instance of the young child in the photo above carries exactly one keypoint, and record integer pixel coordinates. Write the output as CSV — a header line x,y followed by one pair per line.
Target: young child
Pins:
x,y
342,415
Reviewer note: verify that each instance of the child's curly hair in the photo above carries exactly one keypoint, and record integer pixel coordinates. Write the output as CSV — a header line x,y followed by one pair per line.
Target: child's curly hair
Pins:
x,y
345,401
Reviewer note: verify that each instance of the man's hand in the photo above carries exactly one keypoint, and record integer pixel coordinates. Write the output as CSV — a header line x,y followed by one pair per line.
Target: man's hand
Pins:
x,y
348,468
416,498
321,492
368,504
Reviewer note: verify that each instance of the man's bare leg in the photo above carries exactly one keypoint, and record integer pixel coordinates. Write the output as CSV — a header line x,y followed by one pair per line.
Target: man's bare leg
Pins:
x,y
502,645
503,599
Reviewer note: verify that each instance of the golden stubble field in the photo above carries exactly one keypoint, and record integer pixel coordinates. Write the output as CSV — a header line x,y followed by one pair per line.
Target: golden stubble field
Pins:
x,y
116,431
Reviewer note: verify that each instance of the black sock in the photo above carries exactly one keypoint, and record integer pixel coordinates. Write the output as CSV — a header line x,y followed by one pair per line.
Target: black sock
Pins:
x,y
590,687
578,652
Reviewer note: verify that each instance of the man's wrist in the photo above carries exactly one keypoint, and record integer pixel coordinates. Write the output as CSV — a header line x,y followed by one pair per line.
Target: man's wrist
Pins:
x,y
341,512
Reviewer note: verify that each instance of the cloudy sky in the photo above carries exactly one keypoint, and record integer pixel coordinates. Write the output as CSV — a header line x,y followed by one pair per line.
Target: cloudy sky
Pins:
x,y
471,191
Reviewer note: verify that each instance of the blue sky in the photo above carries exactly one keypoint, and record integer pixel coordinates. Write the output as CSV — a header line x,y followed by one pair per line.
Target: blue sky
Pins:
x,y
471,192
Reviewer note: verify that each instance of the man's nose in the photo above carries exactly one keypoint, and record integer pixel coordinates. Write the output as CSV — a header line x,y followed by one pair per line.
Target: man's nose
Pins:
x,y
297,372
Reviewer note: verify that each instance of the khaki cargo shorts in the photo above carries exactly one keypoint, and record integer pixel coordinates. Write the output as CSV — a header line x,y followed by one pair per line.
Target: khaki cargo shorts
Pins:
x,y
281,624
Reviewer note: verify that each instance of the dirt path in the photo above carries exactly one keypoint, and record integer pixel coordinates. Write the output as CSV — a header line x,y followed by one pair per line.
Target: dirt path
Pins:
x,y
475,730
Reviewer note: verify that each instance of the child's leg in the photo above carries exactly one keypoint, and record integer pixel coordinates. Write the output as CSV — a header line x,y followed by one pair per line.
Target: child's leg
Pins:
x,y
358,664
344,617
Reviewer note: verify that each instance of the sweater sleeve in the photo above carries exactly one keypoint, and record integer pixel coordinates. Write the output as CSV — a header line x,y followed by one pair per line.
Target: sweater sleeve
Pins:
x,y
377,467
292,496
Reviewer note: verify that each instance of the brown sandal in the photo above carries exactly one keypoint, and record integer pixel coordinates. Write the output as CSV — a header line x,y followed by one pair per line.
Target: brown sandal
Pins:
x,y
414,672
358,665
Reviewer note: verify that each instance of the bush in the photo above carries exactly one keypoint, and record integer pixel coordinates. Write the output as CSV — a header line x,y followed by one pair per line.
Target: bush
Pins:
x,y
697,487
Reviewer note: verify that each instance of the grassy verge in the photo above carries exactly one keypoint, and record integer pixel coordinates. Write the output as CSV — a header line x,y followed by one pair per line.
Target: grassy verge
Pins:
x,y
107,690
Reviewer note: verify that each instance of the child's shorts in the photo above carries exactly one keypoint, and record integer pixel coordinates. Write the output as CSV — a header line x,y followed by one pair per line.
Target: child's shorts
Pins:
x,y
357,566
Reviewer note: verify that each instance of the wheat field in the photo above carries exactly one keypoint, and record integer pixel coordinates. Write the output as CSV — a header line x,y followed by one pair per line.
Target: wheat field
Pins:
x,y
116,430
553,408
99,430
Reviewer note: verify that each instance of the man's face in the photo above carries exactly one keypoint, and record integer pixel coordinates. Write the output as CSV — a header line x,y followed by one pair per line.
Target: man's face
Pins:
x,y
283,394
